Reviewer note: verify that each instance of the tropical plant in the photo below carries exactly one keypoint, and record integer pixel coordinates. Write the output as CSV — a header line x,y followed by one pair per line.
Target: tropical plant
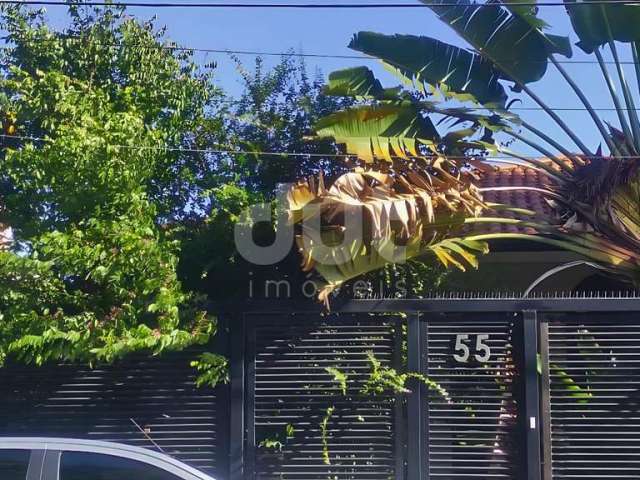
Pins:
x,y
272,116
595,190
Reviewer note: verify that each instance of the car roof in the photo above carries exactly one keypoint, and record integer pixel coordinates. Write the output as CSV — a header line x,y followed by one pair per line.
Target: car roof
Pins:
x,y
96,446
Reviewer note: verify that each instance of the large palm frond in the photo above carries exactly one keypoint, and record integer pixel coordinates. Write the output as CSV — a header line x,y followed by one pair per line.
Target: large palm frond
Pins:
x,y
401,210
380,131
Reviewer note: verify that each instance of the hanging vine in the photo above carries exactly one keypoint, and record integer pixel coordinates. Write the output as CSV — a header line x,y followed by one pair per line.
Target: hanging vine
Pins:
x,y
381,380
324,434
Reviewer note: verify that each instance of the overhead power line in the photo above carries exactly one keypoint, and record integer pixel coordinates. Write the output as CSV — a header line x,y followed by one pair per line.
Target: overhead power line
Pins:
x,y
360,5
231,151
571,109
260,53
359,57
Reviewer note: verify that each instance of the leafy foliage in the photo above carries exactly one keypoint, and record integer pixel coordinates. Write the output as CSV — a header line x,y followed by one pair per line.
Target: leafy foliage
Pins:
x,y
515,44
90,191
597,25
324,434
274,113
386,379
339,377
431,62
384,131
358,82
381,380
213,369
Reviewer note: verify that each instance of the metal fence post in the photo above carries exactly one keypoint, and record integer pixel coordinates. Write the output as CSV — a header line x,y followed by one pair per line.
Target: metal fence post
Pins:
x,y
223,402
532,395
400,443
545,399
250,400
237,397
417,434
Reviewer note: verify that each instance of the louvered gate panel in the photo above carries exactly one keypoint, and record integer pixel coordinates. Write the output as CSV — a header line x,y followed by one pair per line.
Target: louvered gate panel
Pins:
x,y
102,404
473,422
293,388
594,367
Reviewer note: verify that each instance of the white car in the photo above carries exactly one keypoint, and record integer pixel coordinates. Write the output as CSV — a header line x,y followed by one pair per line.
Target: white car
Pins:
x,y
65,459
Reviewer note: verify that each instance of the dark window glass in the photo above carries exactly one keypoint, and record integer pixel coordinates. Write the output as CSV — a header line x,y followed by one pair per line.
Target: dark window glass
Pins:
x,y
14,464
93,466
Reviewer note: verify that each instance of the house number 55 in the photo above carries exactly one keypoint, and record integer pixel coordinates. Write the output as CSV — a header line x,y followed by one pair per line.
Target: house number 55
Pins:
x,y
463,352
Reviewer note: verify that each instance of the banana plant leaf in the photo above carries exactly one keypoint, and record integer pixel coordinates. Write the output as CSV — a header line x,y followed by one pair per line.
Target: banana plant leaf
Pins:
x,y
596,24
380,132
451,69
360,83
515,46
527,12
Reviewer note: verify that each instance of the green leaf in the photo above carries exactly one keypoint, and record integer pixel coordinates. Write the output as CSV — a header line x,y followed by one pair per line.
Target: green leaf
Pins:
x,y
339,377
380,132
430,61
575,390
515,46
358,82
324,434
346,265
559,44
290,431
527,12
597,24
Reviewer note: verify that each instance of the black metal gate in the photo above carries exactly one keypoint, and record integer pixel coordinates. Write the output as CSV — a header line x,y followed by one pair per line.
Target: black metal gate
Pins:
x,y
478,414
529,389
473,415
303,423
592,376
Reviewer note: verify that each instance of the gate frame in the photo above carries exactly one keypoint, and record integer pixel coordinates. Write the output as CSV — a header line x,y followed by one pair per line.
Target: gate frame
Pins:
x,y
418,310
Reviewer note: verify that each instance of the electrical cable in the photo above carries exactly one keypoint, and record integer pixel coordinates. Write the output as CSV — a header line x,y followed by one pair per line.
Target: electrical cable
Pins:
x,y
228,150
258,53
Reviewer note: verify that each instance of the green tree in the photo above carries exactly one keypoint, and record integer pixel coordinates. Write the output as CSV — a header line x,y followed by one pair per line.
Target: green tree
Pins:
x,y
274,113
594,191
93,188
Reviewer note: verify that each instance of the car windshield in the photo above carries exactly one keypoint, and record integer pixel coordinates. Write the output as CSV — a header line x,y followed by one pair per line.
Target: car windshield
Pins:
x,y
93,466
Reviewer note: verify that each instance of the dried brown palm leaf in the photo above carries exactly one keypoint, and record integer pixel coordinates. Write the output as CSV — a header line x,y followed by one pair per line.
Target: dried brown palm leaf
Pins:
x,y
384,214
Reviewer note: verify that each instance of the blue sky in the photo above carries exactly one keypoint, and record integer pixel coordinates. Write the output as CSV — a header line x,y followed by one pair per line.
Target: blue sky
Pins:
x,y
329,31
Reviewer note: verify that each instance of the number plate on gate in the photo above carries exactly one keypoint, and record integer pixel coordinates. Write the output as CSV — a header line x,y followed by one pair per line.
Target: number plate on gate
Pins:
x,y
471,346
